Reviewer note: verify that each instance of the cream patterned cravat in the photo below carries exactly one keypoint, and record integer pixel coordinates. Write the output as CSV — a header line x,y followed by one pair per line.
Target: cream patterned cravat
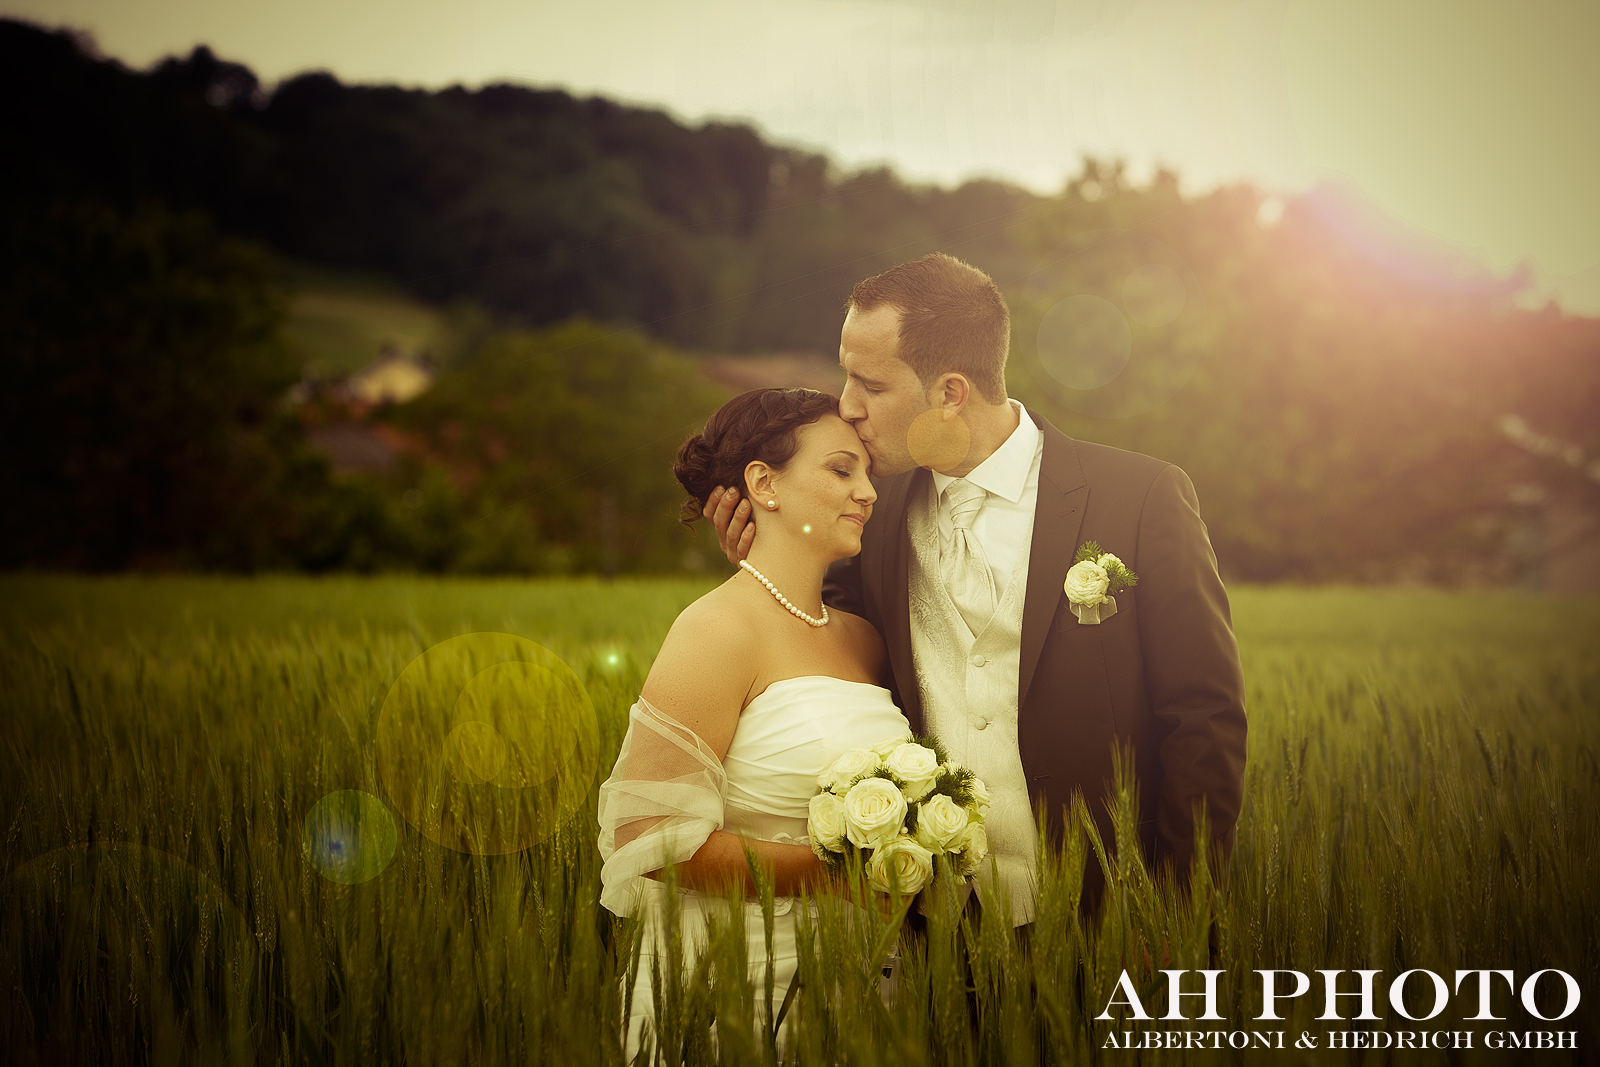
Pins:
x,y
963,566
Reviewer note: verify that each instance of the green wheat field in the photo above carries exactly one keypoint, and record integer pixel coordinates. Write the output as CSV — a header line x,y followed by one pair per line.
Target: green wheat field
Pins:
x,y
1423,792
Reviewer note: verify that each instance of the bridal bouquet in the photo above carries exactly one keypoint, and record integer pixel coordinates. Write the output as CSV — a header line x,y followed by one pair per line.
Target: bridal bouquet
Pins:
x,y
897,806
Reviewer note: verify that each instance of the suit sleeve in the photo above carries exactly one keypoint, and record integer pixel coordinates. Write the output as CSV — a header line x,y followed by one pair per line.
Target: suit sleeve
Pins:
x,y
1192,671
841,586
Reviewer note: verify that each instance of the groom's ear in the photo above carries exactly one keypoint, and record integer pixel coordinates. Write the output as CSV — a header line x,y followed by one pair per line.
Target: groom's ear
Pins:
x,y
950,391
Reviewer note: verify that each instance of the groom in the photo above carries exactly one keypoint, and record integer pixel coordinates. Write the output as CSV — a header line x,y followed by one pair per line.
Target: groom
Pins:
x,y
962,570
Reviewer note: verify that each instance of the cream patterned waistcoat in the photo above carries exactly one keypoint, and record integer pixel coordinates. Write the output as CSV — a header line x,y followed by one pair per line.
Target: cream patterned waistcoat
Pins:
x,y
968,685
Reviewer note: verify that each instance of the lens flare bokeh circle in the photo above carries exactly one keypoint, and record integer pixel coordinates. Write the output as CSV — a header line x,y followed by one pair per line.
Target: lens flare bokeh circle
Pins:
x,y
349,837
1153,295
1119,323
938,441
1084,342
488,743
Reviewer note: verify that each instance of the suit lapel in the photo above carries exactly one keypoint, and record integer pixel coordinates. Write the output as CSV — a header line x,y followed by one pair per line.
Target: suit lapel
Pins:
x,y
1057,518
894,585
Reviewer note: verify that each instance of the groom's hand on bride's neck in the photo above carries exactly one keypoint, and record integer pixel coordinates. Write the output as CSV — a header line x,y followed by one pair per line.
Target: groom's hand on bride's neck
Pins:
x,y
730,517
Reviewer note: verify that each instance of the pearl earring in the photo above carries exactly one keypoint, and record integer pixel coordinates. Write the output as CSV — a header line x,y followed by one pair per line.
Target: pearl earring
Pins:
x,y
772,503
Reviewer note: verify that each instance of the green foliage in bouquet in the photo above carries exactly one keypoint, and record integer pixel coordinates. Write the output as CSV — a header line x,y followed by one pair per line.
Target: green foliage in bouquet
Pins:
x,y
1121,577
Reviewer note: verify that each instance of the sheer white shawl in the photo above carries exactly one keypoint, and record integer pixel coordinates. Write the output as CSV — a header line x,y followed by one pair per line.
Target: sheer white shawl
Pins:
x,y
663,800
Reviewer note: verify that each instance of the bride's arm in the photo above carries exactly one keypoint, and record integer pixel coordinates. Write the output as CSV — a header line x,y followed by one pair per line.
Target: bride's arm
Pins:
x,y
703,677
721,861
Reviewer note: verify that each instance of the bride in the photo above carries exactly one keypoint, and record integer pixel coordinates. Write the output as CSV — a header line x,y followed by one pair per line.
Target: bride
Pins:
x,y
757,689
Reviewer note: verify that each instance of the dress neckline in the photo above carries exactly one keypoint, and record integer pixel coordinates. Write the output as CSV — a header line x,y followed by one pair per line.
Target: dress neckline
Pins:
x,y
810,677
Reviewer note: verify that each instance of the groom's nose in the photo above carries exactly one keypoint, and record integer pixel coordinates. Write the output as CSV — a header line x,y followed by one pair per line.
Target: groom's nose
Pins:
x,y
851,409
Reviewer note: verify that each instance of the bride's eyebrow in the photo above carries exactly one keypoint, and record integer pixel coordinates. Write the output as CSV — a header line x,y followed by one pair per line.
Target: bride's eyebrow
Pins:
x,y
842,452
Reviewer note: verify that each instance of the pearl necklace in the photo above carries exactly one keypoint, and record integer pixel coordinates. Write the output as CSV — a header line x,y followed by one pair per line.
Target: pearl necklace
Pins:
x,y
762,578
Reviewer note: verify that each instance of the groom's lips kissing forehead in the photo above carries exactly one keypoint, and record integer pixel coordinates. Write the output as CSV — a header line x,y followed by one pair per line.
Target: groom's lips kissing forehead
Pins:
x,y
872,452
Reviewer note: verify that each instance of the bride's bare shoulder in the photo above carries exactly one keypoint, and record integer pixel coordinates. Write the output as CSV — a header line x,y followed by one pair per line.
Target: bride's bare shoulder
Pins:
x,y
706,666
721,613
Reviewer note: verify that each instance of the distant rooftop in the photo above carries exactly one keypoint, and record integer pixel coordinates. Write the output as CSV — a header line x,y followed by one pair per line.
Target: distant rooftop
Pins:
x,y
393,377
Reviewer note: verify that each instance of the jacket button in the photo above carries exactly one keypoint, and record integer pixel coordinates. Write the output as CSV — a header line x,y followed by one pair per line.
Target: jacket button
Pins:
x,y
983,724
978,661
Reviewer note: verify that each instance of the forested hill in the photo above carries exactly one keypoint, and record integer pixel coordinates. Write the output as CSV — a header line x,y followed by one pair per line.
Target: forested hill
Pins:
x,y
531,202
1351,403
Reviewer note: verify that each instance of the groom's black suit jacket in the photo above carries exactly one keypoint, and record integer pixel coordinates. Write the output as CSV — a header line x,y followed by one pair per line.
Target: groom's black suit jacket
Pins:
x,y
1161,675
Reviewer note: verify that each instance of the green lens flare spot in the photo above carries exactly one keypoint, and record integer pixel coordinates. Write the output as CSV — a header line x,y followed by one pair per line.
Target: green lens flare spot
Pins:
x,y
349,837
488,743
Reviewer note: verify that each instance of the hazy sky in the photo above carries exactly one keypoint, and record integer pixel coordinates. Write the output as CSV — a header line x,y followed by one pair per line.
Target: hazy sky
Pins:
x,y
1476,121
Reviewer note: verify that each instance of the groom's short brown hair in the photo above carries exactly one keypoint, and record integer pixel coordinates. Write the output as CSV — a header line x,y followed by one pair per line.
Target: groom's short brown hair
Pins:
x,y
952,318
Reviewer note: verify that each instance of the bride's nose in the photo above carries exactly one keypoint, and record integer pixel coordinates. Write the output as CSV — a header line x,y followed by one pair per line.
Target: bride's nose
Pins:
x,y
865,494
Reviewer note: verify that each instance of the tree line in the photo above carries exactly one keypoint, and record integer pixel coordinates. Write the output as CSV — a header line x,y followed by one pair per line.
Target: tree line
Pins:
x,y
1333,392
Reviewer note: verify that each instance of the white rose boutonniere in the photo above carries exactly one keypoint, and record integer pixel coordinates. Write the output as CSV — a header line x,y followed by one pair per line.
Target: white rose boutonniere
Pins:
x,y
1093,580
1087,582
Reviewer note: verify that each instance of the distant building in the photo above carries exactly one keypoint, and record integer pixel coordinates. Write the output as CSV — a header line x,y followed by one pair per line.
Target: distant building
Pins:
x,y
393,377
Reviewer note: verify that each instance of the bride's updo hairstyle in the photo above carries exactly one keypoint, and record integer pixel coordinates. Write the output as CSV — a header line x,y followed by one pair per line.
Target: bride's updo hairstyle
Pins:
x,y
760,424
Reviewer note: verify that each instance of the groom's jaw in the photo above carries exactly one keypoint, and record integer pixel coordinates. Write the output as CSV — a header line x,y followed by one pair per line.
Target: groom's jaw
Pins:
x,y
883,466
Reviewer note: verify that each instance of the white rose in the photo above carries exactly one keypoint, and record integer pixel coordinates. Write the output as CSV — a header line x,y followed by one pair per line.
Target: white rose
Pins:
x,y
980,796
916,766
940,821
825,824
903,860
888,745
847,768
1106,560
974,847
874,813
1086,583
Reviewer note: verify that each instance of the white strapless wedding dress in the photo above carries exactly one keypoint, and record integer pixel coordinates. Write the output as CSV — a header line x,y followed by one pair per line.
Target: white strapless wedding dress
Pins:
x,y
788,735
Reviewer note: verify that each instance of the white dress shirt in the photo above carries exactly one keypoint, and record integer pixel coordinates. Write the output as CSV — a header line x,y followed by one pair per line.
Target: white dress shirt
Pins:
x,y
1004,524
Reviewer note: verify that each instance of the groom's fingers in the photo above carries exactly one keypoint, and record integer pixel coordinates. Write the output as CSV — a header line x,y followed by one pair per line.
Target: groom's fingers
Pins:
x,y
747,537
730,518
735,535
718,510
